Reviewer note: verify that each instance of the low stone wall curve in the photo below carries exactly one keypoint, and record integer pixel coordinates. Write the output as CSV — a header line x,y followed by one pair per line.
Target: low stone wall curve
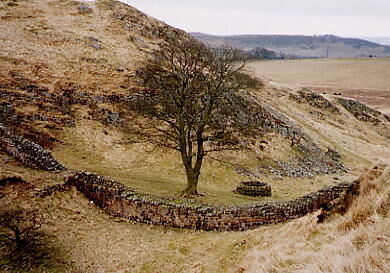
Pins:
x,y
119,200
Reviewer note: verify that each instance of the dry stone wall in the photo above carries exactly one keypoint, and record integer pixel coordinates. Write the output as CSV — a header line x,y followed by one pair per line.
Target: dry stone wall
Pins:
x,y
28,152
119,200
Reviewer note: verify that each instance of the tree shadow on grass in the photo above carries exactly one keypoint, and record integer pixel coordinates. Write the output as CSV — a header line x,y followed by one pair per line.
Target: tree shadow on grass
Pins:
x,y
39,254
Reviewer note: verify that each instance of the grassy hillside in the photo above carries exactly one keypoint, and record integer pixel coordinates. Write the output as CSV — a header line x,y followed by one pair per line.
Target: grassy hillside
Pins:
x,y
66,69
56,43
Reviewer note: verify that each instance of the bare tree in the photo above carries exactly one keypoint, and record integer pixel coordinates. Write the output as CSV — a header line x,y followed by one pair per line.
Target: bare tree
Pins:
x,y
24,246
21,226
194,103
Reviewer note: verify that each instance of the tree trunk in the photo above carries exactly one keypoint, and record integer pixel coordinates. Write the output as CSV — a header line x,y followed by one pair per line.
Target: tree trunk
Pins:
x,y
192,172
192,182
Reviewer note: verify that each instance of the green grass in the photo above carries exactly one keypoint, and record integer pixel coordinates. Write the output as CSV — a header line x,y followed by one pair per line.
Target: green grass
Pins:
x,y
161,172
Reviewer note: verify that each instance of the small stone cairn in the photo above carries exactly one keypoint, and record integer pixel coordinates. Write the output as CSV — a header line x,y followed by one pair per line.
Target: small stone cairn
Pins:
x,y
254,188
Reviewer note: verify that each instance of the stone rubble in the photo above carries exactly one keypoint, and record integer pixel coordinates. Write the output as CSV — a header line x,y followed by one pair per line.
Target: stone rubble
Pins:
x,y
306,167
28,152
314,99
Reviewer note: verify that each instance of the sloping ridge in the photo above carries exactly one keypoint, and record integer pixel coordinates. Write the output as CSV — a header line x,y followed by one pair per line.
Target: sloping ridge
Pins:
x,y
301,45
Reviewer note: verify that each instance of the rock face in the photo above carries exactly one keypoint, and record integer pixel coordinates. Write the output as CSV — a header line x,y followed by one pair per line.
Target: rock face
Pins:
x,y
254,188
28,152
315,100
362,112
380,121
313,161
119,200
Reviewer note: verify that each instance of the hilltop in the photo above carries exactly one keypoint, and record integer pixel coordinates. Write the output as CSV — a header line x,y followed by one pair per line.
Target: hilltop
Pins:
x,y
302,46
68,70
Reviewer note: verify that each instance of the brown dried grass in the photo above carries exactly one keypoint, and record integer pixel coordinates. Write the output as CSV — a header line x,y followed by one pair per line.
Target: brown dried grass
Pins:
x,y
358,241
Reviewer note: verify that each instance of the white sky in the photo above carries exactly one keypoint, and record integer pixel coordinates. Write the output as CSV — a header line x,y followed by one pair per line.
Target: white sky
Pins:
x,y
350,18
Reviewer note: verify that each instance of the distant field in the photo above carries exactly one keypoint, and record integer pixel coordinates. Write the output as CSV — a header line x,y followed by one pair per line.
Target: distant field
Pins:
x,y
367,80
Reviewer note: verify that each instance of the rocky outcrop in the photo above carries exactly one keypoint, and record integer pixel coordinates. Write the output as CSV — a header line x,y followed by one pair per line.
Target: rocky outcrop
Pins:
x,y
83,8
306,166
314,99
28,152
362,112
119,200
380,121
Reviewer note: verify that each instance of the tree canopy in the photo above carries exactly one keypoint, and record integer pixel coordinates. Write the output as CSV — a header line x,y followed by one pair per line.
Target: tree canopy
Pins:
x,y
194,102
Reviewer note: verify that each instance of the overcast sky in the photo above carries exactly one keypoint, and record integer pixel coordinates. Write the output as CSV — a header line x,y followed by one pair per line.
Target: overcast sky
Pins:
x,y
352,18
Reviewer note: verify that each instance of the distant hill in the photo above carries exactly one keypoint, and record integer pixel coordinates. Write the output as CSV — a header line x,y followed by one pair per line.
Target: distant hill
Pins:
x,y
379,40
300,45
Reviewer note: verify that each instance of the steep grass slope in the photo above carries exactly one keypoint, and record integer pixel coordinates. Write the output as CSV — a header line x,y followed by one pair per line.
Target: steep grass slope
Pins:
x,y
66,68
356,242
58,43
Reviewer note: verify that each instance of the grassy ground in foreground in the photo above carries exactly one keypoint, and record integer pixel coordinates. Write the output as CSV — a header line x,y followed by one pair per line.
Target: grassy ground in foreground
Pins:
x,y
359,241
85,239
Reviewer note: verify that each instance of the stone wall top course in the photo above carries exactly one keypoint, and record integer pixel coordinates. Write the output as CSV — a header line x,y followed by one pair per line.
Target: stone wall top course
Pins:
x,y
122,201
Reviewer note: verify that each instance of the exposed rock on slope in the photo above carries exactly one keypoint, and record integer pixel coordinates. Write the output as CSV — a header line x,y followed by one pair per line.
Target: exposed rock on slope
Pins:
x,y
364,113
29,153
315,100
